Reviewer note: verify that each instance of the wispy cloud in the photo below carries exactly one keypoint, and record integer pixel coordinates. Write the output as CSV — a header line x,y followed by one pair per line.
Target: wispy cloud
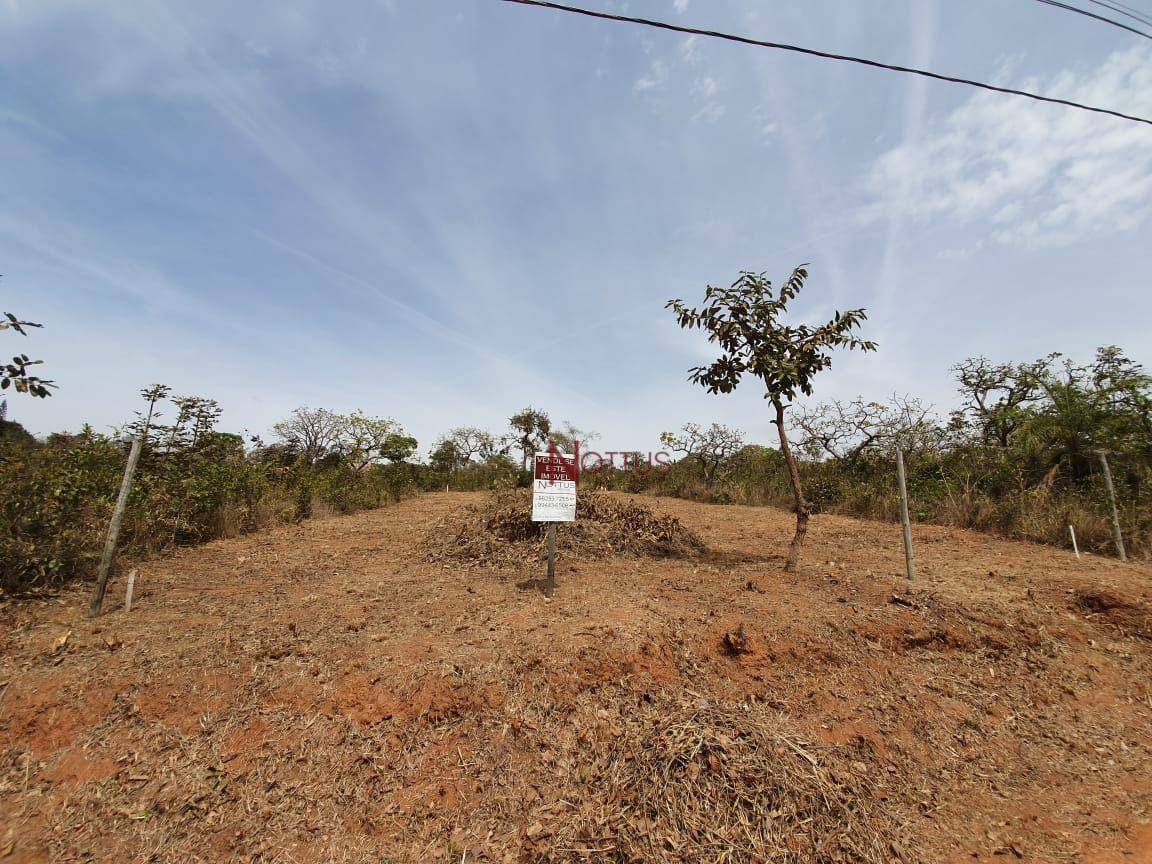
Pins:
x,y
1036,175
922,39
455,214
68,248
690,50
654,79
705,90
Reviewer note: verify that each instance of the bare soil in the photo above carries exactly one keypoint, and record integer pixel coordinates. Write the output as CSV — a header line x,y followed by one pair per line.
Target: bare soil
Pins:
x,y
322,692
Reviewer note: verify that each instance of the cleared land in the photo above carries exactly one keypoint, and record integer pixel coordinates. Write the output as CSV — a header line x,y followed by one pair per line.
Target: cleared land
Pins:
x,y
323,693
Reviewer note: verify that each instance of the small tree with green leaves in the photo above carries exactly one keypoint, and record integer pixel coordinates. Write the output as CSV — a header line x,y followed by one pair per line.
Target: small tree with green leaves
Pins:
x,y
744,320
446,456
143,424
399,447
16,374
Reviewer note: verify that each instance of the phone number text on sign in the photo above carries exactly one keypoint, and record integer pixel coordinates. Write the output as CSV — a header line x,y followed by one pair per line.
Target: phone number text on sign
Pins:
x,y
554,488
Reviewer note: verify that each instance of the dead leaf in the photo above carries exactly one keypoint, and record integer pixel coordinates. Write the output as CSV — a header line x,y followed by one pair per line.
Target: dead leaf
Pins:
x,y
60,644
536,830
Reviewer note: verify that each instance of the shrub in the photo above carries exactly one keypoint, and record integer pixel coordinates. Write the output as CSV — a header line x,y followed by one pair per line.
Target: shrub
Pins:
x,y
56,499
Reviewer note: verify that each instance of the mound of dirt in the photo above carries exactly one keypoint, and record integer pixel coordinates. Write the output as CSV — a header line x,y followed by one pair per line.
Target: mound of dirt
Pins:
x,y
500,531
708,782
1131,616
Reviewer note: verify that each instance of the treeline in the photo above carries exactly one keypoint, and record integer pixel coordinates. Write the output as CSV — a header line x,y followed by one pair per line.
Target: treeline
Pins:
x,y
193,484
1020,457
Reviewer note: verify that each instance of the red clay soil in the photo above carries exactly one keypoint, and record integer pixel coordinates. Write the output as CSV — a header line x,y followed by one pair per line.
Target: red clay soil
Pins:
x,y
319,693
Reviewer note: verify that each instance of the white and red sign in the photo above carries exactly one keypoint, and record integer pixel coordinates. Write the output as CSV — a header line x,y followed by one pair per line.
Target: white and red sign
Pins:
x,y
554,487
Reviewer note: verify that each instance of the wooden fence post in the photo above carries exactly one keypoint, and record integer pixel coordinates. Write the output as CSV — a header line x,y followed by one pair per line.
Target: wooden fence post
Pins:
x,y
550,584
114,528
909,558
130,590
1117,537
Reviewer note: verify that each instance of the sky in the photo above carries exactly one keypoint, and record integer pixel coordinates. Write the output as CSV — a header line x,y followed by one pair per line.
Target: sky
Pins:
x,y
442,211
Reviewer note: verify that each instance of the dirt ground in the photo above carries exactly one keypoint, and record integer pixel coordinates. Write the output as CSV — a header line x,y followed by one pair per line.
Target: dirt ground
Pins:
x,y
319,693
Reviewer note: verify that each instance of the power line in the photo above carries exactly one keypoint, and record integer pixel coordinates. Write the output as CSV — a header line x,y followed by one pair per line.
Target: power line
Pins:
x,y
745,40
1128,11
1103,18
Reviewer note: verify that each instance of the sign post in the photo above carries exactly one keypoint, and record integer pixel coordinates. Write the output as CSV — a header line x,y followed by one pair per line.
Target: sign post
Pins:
x,y
550,582
554,480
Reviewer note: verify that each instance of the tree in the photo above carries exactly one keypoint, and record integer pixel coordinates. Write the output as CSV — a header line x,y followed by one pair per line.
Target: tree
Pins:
x,y
530,431
446,456
996,397
744,320
362,440
569,439
143,422
202,413
470,442
1127,389
1050,416
196,416
313,433
359,440
16,374
1101,406
709,448
858,430
398,447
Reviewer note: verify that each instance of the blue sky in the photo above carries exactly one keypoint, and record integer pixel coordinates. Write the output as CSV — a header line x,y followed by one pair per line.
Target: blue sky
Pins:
x,y
443,210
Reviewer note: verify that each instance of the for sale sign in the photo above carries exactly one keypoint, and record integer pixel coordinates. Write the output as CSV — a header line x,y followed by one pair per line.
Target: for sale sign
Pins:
x,y
554,487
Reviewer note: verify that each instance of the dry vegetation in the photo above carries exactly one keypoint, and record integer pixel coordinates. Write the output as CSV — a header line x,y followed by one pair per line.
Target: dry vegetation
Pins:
x,y
499,531
719,783
321,692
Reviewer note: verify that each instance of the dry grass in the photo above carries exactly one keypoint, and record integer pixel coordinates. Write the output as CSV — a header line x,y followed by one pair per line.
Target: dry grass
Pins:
x,y
708,783
315,693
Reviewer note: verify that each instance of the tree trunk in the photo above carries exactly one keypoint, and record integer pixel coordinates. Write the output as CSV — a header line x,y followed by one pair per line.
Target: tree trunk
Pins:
x,y
801,504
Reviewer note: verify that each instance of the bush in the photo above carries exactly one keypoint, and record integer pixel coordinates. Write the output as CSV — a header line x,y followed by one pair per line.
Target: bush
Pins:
x,y
52,506
496,472
56,499
973,488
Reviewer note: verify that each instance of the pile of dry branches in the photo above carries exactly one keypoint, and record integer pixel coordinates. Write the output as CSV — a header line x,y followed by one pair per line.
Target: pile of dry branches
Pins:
x,y
500,531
